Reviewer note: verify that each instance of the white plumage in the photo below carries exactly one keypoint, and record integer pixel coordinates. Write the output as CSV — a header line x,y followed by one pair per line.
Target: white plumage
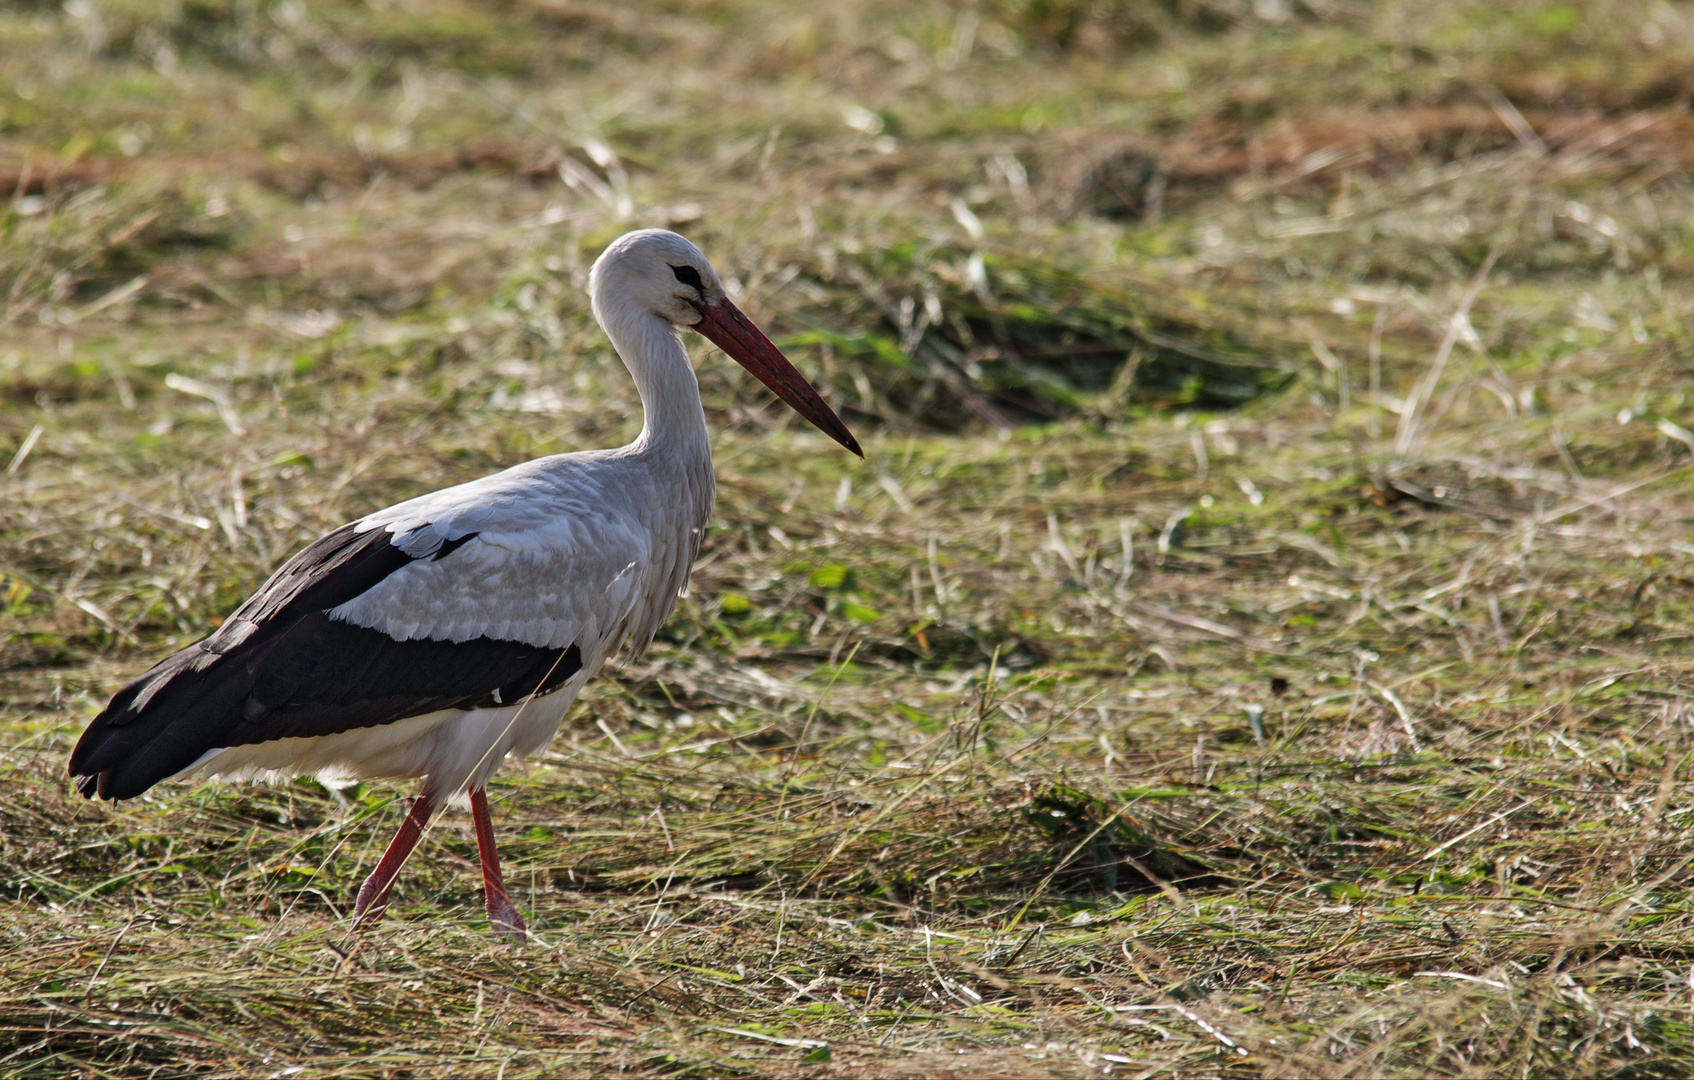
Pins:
x,y
434,637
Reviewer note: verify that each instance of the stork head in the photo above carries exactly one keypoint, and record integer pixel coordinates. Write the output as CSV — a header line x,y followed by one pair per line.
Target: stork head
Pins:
x,y
659,271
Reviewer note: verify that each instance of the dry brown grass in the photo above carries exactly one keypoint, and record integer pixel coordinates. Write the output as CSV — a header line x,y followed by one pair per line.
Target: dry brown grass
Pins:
x,y
1255,644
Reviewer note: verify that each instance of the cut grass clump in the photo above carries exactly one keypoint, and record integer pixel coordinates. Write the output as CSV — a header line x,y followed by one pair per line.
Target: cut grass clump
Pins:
x,y
1112,26
82,247
1106,850
946,336
961,842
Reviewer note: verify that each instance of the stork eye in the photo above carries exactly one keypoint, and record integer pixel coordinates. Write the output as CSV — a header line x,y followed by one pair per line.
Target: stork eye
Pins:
x,y
690,277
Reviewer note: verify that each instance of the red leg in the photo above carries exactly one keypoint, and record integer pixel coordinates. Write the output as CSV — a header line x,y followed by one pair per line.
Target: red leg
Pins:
x,y
503,916
373,894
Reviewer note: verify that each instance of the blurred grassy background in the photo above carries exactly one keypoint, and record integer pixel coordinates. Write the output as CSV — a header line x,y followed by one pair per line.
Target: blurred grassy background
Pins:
x,y
1254,645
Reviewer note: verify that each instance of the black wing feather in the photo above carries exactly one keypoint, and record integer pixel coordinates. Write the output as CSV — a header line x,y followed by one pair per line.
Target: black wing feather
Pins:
x,y
280,667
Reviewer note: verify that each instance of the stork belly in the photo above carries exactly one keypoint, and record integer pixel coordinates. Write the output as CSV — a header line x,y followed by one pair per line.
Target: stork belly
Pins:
x,y
454,749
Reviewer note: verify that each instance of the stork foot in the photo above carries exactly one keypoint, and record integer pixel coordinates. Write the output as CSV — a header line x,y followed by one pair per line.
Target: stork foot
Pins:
x,y
504,918
373,894
371,902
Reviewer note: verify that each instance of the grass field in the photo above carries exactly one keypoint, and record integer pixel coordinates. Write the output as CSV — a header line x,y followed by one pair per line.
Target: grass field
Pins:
x,y
1256,644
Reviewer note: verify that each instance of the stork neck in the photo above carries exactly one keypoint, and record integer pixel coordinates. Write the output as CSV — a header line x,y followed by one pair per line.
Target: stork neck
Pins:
x,y
674,426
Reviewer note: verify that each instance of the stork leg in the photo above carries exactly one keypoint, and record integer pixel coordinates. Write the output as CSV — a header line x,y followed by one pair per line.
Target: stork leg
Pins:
x,y
503,916
373,894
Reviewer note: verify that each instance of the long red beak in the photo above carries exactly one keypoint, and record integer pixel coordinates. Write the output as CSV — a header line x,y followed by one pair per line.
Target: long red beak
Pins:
x,y
727,328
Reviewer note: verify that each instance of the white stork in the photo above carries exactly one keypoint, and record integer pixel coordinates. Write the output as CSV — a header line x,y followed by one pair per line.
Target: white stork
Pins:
x,y
433,638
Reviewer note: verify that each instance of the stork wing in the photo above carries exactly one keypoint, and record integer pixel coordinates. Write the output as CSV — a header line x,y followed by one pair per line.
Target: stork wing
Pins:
x,y
391,617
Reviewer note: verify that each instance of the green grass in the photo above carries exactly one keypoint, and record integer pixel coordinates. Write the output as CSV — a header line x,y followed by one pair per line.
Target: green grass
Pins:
x,y
1255,644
